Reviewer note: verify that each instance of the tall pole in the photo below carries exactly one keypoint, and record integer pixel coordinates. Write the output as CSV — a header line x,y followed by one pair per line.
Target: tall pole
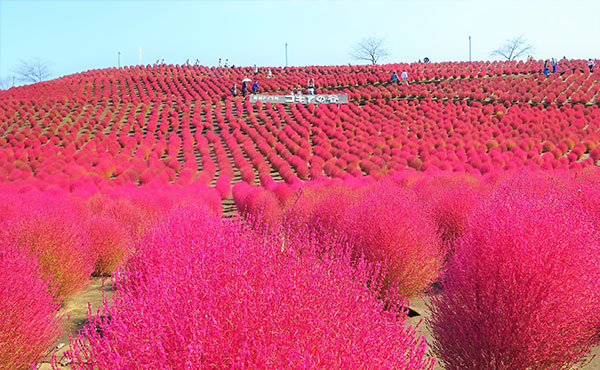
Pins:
x,y
119,60
286,60
469,49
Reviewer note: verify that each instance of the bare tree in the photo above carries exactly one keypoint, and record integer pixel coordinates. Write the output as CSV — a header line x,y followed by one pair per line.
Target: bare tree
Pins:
x,y
32,70
513,48
6,83
371,49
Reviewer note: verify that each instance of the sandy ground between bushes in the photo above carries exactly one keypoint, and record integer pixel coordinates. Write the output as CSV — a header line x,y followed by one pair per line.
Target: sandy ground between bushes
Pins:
x,y
77,307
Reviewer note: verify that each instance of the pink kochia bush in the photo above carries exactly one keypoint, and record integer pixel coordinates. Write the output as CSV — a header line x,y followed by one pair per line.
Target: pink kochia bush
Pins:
x,y
521,290
452,197
389,225
49,228
205,293
28,321
111,243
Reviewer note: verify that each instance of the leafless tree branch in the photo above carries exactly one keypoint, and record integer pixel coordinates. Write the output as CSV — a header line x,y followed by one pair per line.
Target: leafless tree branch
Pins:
x,y
371,49
32,70
513,48
5,83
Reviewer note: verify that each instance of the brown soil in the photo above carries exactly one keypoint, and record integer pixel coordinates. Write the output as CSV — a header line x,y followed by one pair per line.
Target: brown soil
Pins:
x,y
74,311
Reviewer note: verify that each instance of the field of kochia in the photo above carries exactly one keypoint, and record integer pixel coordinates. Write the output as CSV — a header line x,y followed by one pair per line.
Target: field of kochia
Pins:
x,y
271,236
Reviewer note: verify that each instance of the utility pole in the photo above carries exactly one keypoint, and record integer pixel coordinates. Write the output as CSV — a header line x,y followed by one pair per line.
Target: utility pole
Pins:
x,y
119,60
469,49
286,60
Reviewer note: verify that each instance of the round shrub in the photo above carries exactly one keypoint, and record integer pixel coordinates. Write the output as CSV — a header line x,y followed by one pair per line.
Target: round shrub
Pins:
x,y
389,225
54,234
29,324
521,290
202,292
111,243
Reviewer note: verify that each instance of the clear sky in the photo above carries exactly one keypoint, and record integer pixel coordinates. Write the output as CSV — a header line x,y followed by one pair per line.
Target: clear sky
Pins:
x,y
81,35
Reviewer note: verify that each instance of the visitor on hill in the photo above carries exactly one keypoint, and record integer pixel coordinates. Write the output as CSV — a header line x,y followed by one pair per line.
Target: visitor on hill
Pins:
x,y
197,62
162,62
255,87
299,91
591,65
226,63
394,77
554,65
244,88
269,74
404,77
220,64
255,70
187,63
545,70
311,86
234,90
426,60
157,62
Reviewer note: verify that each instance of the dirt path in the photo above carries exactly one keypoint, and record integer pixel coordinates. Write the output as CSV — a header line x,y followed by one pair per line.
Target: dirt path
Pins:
x,y
75,315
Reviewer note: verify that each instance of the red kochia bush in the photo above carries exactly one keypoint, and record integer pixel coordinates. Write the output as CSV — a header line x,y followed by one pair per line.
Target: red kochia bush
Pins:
x,y
451,197
521,290
54,233
28,324
111,242
205,293
389,225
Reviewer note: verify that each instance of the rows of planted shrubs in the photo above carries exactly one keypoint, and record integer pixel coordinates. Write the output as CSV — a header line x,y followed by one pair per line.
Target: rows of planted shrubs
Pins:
x,y
164,82
52,242
178,142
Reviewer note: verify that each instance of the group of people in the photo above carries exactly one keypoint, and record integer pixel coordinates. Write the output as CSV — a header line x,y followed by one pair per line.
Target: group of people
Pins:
x,y
310,88
244,88
403,76
553,64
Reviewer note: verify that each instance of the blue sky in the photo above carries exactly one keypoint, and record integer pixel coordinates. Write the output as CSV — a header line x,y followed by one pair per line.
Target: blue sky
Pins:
x,y
76,36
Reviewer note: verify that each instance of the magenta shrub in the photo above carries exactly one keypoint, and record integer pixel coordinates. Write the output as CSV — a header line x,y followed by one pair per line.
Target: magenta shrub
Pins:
x,y
389,225
51,229
206,293
521,290
29,324
111,242
451,198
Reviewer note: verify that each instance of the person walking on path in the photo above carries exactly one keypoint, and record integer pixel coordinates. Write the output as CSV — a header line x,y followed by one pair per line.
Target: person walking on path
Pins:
x,y
591,65
220,64
554,65
545,70
311,86
394,77
255,70
226,63
234,90
244,88
269,74
255,87
404,77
